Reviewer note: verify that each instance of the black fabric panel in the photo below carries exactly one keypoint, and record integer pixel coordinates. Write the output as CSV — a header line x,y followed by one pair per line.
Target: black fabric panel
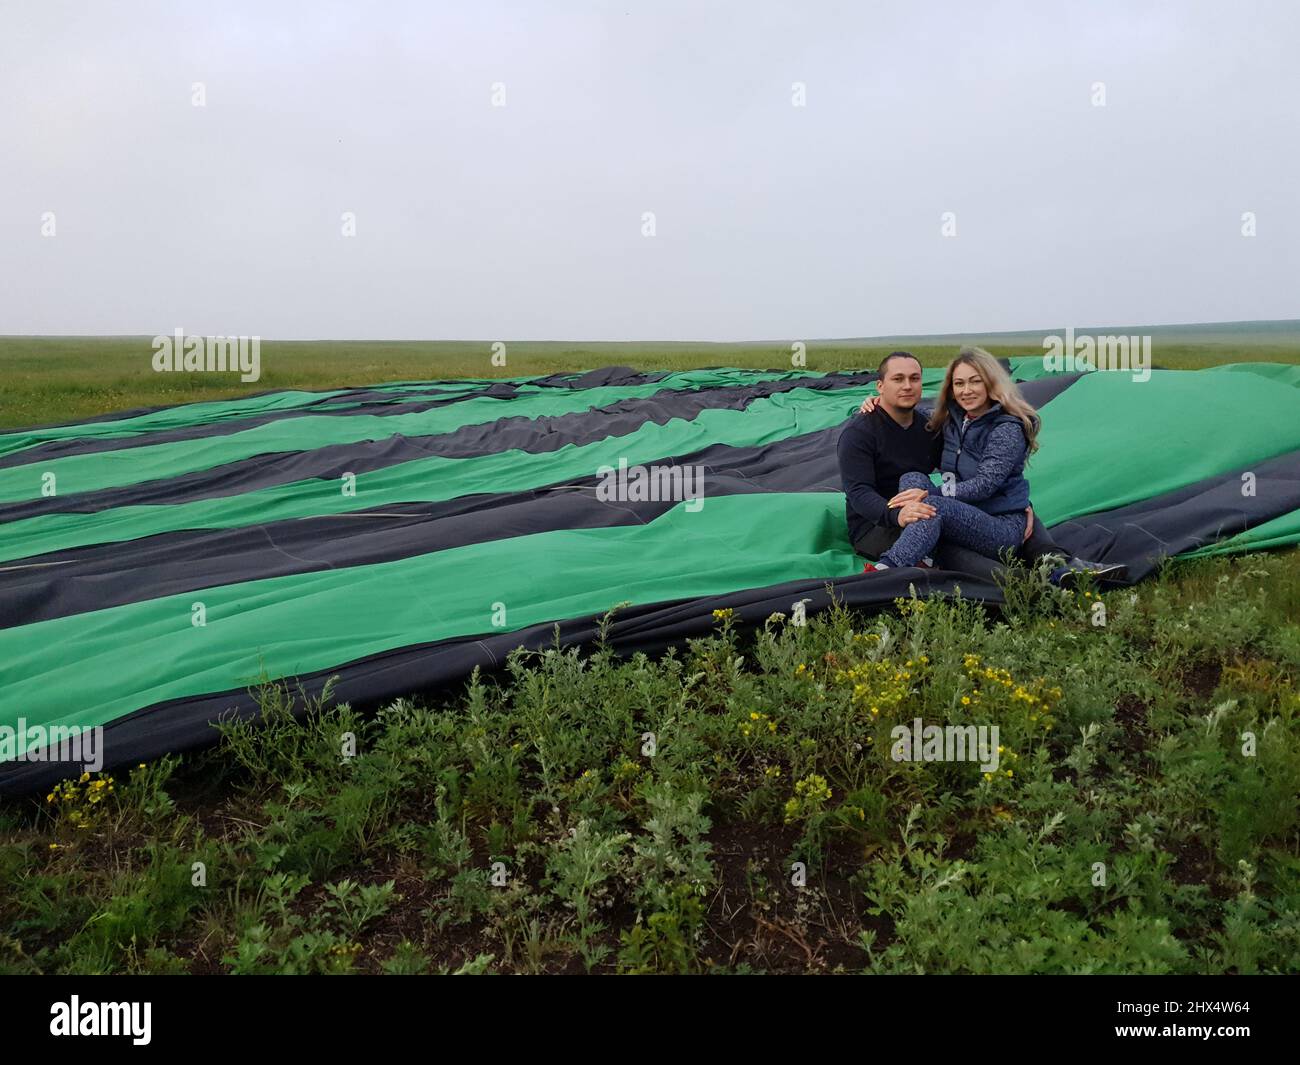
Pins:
x,y
1142,534
1045,389
178,725
604,377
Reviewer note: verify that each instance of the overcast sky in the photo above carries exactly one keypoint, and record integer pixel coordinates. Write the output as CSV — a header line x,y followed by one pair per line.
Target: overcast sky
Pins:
x,y
525,221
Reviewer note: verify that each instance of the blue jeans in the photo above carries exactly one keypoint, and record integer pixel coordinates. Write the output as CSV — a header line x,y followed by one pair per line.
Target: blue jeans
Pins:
x,y
956,522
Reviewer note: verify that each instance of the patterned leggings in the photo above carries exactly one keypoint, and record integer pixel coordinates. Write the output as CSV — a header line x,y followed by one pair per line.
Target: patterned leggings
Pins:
x,y
956,521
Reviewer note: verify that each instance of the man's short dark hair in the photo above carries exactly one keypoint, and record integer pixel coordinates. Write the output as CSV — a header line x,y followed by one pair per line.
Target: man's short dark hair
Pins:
x,y
884,363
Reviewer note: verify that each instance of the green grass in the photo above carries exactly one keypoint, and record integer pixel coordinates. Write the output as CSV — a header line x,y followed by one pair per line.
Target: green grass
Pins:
x,y
591,813
54,379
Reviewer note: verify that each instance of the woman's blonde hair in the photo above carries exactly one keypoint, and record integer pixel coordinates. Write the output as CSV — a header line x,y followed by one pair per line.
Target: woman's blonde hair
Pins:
x,y
1000,387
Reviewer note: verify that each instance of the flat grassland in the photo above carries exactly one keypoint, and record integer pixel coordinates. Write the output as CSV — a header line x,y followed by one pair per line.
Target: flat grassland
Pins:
x,y
56,379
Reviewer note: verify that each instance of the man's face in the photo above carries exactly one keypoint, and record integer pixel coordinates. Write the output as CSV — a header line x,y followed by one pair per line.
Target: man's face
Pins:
x,y
900,386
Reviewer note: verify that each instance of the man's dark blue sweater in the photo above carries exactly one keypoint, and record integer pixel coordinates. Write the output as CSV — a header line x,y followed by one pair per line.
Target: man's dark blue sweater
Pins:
x,y
874,452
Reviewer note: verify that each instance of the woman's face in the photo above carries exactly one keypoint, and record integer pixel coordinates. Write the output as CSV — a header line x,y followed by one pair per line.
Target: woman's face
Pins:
x,y
969,389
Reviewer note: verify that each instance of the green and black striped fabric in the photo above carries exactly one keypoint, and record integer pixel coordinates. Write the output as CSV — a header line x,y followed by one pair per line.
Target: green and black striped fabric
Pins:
x,y
395,537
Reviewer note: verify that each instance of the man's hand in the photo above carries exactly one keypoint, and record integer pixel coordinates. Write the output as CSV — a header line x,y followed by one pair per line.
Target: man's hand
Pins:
x,y
908,495
914,511
869,404
1029,524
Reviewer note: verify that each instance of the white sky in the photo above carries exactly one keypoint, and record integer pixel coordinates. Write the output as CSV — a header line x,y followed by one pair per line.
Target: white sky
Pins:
x,y
524,221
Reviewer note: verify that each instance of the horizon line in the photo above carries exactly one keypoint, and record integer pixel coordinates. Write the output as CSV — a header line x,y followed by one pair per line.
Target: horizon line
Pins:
x,y
883,337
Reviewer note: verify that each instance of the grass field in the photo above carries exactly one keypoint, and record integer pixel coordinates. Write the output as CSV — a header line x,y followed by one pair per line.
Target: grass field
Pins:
x,y
732,807
55,379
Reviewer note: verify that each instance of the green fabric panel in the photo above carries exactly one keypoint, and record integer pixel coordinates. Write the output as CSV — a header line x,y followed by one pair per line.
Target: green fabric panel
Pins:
x,y
84,473
1108,440
1031,368
178,417
125,657
1279,373
1281,531
800,410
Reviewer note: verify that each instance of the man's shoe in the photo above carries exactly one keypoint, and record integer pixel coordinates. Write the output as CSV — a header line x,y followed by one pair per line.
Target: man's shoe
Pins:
x,y
1067,575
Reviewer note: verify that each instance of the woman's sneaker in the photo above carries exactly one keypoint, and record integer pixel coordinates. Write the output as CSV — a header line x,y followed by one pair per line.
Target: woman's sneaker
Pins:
x,y
1067,575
